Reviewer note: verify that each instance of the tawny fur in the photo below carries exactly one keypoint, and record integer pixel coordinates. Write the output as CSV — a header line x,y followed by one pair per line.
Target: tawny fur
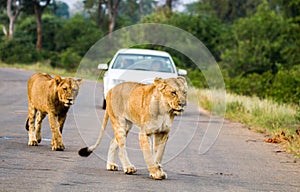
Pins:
x,y
52,96
152,108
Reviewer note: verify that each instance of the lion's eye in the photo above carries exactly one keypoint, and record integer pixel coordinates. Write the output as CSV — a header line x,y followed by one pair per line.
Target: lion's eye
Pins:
x,y
65,89
174,93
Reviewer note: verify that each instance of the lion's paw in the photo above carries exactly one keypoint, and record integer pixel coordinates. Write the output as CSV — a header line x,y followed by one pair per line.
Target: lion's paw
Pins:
x,y
58,147
158,175
130,170
112,167
38,138
33,143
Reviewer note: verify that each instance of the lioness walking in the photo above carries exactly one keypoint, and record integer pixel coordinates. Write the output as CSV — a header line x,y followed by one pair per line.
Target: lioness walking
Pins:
x,y
52,96
152,108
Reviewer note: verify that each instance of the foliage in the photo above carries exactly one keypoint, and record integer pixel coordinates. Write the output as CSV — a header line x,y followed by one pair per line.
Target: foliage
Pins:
x,y
259,55
69,60
207,29
25,53
27,30
230,10
258,43
78,33
285,87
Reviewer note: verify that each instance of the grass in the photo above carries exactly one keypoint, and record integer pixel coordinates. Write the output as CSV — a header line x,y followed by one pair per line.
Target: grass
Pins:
x,y
40,67
45,67
280,122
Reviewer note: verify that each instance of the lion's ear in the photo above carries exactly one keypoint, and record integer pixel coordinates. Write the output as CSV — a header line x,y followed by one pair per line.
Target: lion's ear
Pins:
x,y
57,79
181,79
159,83
78,81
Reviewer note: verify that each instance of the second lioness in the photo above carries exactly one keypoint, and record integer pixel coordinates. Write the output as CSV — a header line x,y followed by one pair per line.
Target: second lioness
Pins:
x,y
52,96
152,108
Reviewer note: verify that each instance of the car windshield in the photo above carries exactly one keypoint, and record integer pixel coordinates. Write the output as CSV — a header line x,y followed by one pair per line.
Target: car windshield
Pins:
x,y
143,62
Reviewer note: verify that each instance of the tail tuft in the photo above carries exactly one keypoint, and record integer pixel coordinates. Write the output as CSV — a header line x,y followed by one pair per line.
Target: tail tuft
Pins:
x,y
27,124
84,152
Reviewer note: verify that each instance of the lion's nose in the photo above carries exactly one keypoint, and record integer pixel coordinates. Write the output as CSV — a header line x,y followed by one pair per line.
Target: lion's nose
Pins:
x,y
183,104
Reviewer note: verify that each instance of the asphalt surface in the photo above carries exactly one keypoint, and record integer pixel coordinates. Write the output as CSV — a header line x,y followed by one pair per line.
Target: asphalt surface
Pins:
x,y
239,160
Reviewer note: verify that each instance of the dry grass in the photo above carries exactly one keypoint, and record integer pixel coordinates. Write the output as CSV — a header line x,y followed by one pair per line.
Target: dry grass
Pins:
x,y
40,67
281,122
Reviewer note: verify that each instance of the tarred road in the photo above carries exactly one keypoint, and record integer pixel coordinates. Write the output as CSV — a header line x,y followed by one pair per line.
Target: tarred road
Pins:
x,y
238,161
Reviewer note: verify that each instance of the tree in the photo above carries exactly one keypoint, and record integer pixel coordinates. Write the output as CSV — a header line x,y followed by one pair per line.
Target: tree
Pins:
x,y
96,10
13,11
168,4
39,6
261,43
230,10
112,8
62,10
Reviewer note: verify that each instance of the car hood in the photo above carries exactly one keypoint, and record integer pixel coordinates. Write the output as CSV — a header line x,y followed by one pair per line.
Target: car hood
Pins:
x,y
140,76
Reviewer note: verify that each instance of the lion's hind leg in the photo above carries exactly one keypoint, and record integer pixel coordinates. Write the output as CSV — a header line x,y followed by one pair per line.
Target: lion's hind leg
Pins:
x,y
38,124
30,124
121,128
111,157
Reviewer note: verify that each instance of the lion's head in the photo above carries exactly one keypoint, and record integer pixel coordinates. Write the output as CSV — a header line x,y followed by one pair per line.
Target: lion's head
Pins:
x,y
174,93
67,89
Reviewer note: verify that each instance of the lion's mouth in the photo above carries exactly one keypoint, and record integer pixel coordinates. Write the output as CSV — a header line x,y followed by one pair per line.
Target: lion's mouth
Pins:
x,y
177,111
69,103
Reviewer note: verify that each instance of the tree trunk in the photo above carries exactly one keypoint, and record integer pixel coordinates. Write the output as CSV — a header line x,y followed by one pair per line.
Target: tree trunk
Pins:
x,y
101,14
169,4
38,11
12,18
112,6
4,30
38,17
141,8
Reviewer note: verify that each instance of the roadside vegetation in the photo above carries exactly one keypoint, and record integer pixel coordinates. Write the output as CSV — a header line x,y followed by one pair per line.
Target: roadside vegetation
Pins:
x,y
279,122
40,67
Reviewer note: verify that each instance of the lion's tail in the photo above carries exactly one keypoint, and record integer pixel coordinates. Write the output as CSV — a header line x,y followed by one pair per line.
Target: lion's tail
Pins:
x,y
27,124
85,152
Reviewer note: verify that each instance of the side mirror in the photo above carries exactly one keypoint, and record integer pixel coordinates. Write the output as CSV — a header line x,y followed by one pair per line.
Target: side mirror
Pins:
x,y
103,66
182,72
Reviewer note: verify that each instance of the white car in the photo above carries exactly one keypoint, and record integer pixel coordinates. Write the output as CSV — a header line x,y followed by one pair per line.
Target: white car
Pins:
x,y
137,65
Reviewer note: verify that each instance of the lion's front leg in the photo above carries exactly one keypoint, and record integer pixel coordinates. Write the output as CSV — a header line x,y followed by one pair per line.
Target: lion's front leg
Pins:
x,y
61,121
155,171
159,145
57,143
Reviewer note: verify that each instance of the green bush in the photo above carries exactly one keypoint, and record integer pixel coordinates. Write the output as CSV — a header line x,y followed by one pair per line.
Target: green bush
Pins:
x,y
69,60
282,87
250,85
16,51
77,33
285,87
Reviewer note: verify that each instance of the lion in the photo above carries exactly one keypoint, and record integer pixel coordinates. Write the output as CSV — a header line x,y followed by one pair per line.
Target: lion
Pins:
x,y
52,96
150,107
